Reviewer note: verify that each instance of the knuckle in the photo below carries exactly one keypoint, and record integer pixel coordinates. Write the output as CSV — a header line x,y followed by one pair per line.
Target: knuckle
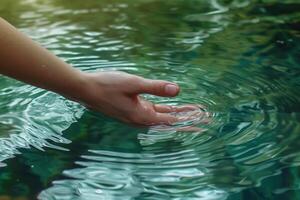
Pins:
x,y
134,78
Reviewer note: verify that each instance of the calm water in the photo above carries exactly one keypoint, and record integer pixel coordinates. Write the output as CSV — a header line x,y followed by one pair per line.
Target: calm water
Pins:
x,y
239,58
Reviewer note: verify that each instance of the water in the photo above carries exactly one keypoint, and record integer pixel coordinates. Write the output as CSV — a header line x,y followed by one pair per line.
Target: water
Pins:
x,y
238,58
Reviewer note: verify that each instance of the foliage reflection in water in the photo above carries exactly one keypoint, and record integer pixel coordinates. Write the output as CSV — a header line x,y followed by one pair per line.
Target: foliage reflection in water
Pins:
x,y
240,59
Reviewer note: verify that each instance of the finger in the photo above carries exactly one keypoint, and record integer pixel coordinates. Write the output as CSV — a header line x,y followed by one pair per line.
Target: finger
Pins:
x,y
163,108
158,87
185,108
164,118
167,109
194,115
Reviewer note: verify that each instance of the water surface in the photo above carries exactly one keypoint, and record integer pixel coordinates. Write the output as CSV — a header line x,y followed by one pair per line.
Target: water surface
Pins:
x,y
238,58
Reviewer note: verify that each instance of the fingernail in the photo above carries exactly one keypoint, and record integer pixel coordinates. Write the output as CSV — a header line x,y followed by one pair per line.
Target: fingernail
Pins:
x,y
171,89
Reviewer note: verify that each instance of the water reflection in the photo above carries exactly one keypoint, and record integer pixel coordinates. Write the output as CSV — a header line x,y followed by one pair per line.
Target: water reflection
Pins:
x,y
37,122
238,58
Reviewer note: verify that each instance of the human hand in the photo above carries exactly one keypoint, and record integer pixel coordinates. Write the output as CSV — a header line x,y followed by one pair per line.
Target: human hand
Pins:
x,y
117,94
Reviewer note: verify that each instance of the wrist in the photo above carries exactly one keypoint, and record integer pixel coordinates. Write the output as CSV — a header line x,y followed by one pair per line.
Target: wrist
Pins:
x,y
84,88
77,88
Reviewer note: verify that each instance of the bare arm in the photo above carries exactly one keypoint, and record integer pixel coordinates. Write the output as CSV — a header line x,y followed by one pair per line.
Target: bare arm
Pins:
x,y
113,93
25,60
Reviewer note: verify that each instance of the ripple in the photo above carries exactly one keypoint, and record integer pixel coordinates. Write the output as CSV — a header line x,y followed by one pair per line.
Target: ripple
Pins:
x,y
237,60
146,176
30,126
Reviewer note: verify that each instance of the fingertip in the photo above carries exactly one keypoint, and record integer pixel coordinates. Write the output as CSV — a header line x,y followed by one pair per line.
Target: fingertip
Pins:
x,y
159,88
171,89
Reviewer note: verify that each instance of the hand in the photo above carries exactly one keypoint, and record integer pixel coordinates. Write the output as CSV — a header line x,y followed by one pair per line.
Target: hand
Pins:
x,y
113,93
116,94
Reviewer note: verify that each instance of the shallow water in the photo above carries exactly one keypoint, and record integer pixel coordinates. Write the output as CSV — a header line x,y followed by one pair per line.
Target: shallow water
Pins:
x,y
240,59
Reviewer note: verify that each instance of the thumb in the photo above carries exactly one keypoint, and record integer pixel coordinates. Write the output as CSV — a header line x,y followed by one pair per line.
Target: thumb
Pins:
x,y
159,88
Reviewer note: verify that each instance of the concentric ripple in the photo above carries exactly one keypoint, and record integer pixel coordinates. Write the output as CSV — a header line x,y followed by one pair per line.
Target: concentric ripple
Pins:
x,y
237,60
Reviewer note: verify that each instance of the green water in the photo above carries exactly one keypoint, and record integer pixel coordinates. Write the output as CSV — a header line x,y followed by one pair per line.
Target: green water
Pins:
x,y
239,58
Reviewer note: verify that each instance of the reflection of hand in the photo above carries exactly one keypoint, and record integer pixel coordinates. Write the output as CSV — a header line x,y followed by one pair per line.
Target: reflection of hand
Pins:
x,y
117,95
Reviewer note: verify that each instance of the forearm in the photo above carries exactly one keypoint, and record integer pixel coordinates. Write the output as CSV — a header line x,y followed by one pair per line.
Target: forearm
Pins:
x,y
25,60
113,93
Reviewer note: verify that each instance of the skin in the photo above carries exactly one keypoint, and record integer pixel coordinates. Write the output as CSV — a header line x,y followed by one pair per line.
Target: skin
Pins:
x,y
116,94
